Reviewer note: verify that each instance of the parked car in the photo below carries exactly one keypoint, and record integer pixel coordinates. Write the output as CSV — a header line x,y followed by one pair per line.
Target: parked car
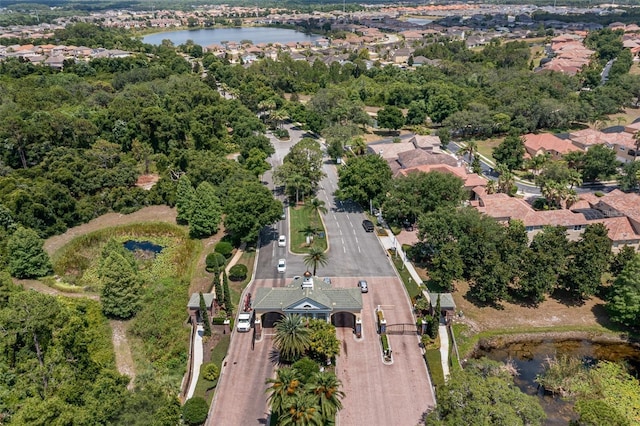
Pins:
x,y
244,321
284,213
282,266
282,241
364,288
367,225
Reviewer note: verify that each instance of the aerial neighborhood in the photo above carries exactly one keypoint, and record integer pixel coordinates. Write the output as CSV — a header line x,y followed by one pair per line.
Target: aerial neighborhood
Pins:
x,y
319,214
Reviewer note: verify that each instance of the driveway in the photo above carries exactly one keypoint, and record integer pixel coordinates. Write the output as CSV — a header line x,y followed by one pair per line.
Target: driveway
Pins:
x,y
375,393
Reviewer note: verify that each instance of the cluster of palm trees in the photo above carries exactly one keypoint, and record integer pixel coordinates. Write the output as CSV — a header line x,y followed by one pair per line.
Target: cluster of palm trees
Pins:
x,y
294,398
294,402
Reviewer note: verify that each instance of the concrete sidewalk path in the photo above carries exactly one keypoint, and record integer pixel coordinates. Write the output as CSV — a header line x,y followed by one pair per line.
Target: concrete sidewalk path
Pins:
x,y
444,349
197,352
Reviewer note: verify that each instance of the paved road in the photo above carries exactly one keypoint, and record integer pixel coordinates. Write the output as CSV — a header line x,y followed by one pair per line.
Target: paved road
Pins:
x,y
395,394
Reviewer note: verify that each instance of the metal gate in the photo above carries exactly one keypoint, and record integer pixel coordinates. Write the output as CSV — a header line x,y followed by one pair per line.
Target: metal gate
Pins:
x,y
402,329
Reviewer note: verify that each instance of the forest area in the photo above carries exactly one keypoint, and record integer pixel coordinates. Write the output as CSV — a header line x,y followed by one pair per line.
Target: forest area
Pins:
x,y
76,141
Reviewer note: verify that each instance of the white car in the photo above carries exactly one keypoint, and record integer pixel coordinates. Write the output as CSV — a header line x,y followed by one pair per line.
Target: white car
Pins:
x,y
244,321
282,266
282,241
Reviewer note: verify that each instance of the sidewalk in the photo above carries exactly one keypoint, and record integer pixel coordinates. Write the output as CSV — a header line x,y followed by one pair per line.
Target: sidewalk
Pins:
x,y
389,242
197,361
444,349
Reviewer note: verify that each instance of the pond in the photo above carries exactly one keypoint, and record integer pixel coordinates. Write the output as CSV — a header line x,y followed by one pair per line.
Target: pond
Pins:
x,y
206,37
529,359
143,246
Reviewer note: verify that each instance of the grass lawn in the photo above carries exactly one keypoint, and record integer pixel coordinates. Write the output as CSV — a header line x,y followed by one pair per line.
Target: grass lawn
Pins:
x,y
412,287
236,287
217,356
301,219
434,363
486,147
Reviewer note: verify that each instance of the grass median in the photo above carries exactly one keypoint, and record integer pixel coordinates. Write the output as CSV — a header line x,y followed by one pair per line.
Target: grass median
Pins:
x,y
304,222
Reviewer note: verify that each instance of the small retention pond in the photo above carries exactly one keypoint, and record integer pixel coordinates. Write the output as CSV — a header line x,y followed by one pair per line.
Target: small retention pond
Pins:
x,y
144,246
529,359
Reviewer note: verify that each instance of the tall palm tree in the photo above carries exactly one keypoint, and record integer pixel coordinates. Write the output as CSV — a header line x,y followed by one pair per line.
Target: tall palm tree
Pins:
x,y
314,258
506,180
314,205
471,148
302,411
282,389
325,386
292,337
358,146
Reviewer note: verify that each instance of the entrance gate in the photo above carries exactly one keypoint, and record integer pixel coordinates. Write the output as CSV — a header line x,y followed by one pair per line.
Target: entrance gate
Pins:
x,y
402,329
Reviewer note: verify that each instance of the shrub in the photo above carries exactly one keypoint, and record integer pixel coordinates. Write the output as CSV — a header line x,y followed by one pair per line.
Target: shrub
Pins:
x,y
238,272
305,368
385,343
210,371
215,261
195,410
224,248
281,133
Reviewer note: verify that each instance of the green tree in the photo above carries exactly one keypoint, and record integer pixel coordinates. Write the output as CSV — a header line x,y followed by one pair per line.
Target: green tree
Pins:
x,y
590,260
205,316
314,258
417,193
292,337
195,411
26,256
217,285
249,207
628,179
256,162
417,113
365,179
185,199
302,411
316,207
391,117
228,303
324,345
206,213
210,371
441,106
623,302
325,386
446,266
480,395
121,287
510,152
599,163
546,261
282,389
620,260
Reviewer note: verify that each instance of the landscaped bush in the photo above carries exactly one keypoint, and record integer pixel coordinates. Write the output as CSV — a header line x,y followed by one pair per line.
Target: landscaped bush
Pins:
x,y
215,261
238,272
306,367
224,248
281,133
210,371
385,343
195,410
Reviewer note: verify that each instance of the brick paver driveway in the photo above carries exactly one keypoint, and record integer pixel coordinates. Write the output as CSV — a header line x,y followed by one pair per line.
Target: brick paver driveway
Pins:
x,y
375,393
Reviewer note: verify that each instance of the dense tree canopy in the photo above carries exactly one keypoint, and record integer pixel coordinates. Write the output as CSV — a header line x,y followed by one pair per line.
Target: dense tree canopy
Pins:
x,y
364,179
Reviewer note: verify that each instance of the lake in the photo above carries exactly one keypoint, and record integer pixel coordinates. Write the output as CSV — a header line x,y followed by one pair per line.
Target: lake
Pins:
x,y
419,21
206,37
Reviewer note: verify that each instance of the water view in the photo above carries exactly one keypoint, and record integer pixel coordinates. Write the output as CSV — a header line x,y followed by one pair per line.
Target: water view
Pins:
x,y
529,358
206,37
419,21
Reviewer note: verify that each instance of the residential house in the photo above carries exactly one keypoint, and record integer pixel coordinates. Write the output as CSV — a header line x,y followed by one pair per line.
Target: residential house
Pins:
x,y
470,180
401,56
543,143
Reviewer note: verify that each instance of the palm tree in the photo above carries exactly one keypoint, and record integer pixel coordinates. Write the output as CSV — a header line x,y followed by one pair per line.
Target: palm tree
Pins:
x,y
303,411
325,386
471,148
358,146
315,206
314,258
283,388
506,180
292,337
